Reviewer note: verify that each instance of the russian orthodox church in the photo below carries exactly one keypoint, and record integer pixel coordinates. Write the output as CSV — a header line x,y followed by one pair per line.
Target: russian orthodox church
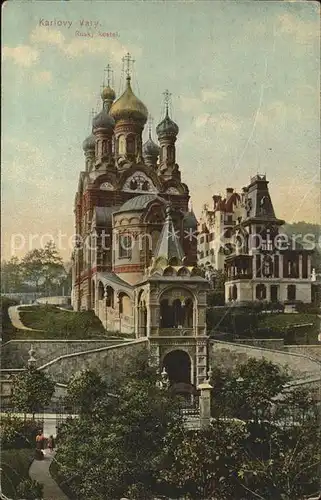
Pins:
x,y
135,261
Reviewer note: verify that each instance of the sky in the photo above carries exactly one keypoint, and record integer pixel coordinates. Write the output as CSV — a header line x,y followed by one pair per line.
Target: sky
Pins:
x,y
245,85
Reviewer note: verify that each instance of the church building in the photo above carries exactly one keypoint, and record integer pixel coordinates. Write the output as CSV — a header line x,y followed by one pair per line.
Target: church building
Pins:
x,y
135,260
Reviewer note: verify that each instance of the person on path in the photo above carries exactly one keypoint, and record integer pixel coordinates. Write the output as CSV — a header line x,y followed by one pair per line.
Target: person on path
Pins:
x,y
51,443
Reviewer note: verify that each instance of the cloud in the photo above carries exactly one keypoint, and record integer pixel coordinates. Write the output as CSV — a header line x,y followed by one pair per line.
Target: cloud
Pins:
x,y
42,77
304,32
193,104
213,95
47,36
222,122
279,113
23,55
80,46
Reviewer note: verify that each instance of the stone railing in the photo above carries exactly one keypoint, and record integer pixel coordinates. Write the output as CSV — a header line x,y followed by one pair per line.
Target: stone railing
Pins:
x,y
175,332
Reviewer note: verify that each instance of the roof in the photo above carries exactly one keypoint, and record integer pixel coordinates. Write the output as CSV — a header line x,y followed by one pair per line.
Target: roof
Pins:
x,y
190,219
109,277
139,202
168,245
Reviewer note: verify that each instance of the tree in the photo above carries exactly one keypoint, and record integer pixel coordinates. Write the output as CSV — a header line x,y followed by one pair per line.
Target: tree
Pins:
x,y
11,276
32,390
248,391
44,268
33,268
53,270
136,445
84,389
117,448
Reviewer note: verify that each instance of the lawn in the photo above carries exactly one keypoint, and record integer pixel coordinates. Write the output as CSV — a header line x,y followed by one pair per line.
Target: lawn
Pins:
x,y
56,323
287,326
15,467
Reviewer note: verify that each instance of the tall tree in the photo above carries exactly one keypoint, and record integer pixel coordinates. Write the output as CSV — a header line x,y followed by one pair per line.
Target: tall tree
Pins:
x,y
32,265
32,390
11,276
53,269
43,267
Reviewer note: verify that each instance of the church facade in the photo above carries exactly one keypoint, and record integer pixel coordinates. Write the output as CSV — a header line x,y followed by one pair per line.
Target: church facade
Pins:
x,y
135,260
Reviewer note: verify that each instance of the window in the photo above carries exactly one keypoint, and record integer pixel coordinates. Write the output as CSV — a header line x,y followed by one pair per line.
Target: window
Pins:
x,y
125,246
130,144
121,145
261,292
202,239
291,292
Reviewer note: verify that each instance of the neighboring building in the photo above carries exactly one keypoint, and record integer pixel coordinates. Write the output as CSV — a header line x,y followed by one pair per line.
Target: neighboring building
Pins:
x,y
265,265
135,264
215,230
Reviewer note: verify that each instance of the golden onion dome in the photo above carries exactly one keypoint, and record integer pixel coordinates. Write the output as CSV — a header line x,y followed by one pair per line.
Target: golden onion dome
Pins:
x,y
108,94
129,106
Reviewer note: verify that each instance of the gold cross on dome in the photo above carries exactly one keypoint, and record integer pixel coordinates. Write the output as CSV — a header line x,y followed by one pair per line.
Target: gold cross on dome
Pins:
x,y
167,99
128,62
150,125
107,74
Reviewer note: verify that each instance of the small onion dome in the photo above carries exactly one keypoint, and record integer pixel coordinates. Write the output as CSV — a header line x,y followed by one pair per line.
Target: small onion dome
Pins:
x,y
190,220
128,106
167,127
108,94
104,120
150,148
89,143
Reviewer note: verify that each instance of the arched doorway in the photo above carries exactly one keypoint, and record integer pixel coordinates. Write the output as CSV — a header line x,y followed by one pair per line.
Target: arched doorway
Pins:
x,y
178,367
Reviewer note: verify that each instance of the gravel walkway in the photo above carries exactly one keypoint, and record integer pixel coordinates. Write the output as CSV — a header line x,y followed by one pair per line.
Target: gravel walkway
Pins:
x,y
14,316
39,471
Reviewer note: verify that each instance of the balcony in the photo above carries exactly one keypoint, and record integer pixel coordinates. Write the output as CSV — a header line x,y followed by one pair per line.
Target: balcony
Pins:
x,y
175,332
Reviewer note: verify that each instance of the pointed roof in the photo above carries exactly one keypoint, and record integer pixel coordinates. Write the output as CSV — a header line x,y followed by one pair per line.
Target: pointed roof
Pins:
x,y
168,245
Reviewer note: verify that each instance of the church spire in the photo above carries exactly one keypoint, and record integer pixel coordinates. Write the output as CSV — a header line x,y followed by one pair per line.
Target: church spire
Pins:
x,y
168,245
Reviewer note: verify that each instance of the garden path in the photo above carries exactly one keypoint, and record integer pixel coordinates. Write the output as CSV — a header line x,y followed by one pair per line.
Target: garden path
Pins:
x,y
14,316
39,471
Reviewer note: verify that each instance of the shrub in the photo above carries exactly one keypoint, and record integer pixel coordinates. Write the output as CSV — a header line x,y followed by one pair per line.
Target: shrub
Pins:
x,y
18,433
7,327
308,308
29,489
15,468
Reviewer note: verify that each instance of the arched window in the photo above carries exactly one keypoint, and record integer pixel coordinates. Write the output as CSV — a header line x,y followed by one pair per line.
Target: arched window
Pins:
x,y
121,145
177,313
165,314
234,292
188,313
125,246
101,291
130,143
109,296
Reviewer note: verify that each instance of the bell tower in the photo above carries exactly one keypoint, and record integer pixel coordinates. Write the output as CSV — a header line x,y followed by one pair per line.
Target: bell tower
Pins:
x,y
130,116
167,131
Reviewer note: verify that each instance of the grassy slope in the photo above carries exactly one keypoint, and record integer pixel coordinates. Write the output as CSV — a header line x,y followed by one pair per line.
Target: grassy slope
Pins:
x,y
15,467
283,322
56,323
